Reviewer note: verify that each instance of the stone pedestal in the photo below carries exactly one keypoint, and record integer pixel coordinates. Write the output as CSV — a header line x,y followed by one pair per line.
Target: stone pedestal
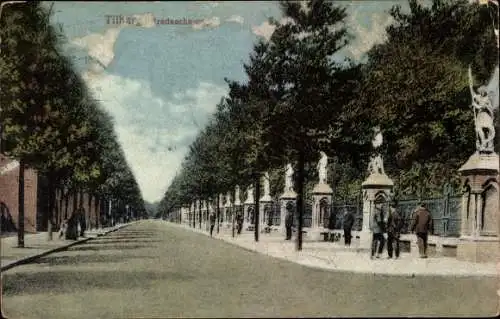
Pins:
x,y
265,201
248,214
289,196
480,218
322,202
377,191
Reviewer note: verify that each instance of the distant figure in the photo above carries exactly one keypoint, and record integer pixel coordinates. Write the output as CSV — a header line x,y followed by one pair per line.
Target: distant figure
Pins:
x,y
348,224
422,225
239,221
289,222
332,222
212,223
63,229
394,226
377,227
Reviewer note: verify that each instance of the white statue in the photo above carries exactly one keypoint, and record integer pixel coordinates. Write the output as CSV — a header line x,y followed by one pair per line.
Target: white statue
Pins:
x,y
237,195
267,190
289,178
483,104
250,198
322,168
376,165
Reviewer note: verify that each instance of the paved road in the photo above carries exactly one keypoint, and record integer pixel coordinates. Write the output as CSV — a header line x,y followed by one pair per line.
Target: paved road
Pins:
x,y
151,269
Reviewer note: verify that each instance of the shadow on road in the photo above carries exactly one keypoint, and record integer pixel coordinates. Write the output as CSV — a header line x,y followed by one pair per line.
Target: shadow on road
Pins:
x,y
80,259
123,241
64,281
110,247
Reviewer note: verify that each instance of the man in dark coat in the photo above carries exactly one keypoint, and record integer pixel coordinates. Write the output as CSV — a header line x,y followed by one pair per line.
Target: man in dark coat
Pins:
x,y
377,228
348,223
394,226
239,221
289,221
422,225
212,223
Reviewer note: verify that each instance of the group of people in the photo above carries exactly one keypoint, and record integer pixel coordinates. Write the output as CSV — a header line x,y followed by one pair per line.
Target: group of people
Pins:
x,y
392,224
384,226
74,227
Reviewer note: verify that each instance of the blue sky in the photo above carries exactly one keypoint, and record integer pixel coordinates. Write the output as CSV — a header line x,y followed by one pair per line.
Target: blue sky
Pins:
x,y
161,83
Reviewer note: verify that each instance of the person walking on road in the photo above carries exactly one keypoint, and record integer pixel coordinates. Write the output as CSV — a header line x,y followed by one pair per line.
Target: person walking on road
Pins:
x,y
422,225
394,226
348,223
289,222
212,223
63,228
377,227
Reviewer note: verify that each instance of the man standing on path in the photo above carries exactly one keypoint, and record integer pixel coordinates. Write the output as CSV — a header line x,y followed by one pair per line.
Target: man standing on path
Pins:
x,y
394,225
422,224
348,223
239,221
212,223
289,222
377,227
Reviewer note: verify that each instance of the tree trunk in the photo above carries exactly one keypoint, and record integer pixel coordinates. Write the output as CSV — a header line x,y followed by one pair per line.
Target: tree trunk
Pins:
x,y
218,212
199,214
50,217
300,197
257,207
20,226
75,201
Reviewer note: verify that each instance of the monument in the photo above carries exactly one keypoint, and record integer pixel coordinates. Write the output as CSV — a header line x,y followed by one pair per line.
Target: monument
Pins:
x,y
266,206
377,190
227,211
480,218
322,195
249,210
288,196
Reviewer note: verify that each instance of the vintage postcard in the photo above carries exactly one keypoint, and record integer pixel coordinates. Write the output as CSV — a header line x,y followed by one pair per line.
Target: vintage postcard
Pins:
x,y
185,159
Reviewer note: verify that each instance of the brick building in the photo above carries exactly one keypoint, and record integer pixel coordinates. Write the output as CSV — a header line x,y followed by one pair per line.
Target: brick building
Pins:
x,y
9,199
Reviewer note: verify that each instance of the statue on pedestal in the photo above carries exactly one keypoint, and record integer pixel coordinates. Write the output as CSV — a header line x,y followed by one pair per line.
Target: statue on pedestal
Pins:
x,y
237,195
267,191
323,162
250,198
483,103
376,165
289,178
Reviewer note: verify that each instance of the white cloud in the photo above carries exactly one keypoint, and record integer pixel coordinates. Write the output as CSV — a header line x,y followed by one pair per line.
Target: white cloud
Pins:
x,y
366,38
99,46
155,133
236,18
213,22
266,29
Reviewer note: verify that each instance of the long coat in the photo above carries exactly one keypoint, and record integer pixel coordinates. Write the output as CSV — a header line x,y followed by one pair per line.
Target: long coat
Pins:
x,y
348,221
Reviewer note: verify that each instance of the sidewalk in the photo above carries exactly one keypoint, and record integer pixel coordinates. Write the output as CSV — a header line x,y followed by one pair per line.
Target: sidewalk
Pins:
x,y
37,245
335,256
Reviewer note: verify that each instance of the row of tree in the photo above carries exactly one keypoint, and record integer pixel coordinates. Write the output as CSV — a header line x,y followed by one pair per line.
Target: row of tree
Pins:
x,y
299,99
51,122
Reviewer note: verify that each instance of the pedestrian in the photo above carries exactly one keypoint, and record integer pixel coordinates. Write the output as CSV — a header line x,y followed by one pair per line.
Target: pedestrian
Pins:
x,y
212,223
63,228
289,222
332,223
422,225
394,226
348,222
239,221
377,227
